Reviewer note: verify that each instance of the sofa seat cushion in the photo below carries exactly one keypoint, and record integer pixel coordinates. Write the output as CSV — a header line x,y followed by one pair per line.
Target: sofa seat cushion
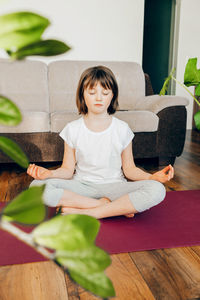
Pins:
x,y
138,121
33,121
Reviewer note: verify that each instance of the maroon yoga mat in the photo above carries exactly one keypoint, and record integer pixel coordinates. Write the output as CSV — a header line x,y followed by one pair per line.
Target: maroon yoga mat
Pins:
x,y
173,223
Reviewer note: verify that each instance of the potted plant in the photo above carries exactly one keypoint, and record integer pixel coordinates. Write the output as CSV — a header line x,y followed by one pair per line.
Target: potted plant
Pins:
x,y
191,78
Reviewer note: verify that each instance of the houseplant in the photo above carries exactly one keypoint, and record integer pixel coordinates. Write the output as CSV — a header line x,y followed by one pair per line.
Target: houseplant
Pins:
x,y
72,237
191,78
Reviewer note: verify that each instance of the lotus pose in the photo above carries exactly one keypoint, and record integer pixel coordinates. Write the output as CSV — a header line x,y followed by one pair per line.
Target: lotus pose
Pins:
x,y
98,158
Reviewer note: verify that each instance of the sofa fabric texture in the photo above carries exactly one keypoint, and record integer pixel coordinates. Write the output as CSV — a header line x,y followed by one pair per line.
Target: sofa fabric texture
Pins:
x,y
46,95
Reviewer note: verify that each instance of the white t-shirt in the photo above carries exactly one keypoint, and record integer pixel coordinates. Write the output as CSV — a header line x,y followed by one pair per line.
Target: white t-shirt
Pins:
x,y
98,154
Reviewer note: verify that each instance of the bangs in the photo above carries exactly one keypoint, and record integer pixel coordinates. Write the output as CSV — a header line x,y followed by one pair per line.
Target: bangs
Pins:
x,y
98,76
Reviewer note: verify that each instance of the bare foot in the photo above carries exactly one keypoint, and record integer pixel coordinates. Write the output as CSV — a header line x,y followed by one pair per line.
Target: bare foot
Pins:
x,y
129,215
71,210
102,201
107,200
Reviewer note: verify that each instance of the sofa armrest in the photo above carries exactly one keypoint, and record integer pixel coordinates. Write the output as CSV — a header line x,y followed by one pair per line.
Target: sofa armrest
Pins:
x,y
148,86
156,103
171,131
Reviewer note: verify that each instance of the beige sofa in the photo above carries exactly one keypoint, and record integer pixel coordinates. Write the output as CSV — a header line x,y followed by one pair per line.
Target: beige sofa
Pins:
x,y
46,96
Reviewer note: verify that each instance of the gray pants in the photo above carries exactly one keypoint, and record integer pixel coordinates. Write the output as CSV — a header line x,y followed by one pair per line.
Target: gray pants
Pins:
x,y
143,194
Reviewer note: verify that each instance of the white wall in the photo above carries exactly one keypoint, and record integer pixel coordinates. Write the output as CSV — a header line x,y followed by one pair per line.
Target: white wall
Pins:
x,y
188,46
96,30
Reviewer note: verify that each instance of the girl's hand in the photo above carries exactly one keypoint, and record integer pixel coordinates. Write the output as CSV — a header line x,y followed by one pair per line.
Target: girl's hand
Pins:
x,y
38,172
164,175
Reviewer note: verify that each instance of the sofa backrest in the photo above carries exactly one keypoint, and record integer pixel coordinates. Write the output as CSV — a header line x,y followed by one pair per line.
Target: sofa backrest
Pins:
x,y
44,92
36,86
25,83
63,77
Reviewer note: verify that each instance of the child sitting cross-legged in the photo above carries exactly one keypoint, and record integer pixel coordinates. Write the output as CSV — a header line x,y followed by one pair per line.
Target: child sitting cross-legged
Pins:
x,y
98,159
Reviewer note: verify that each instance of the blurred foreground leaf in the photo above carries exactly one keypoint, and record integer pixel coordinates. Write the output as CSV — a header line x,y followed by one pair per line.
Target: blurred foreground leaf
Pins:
x,y
42,48
10,114
27,207
68,232
13,150
87,260
20,29
97,283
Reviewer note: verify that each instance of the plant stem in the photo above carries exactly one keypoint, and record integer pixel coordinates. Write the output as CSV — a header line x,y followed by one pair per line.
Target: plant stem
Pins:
x,y
183,85
27,238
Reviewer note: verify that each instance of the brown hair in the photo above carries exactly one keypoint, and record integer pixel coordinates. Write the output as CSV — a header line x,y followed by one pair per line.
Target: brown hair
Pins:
x,y
90,77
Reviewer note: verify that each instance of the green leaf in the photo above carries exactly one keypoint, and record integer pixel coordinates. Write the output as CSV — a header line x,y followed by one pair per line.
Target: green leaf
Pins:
x,y
42,48
197,90
16,40
197,120
20,29
166,84
97,283
68,232
9,113
13,150
191,75
21,21
27,207
87,260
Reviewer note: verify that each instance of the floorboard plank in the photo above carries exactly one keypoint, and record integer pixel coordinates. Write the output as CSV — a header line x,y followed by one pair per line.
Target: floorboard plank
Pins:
x,y
196,249
32,281
170,273
4,186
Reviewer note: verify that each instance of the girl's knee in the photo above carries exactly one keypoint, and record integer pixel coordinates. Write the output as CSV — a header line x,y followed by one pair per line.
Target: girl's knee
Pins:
x,y
151,194
158,191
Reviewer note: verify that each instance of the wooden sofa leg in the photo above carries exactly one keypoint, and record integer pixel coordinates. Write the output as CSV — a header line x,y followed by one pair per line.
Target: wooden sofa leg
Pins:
x,y
166,160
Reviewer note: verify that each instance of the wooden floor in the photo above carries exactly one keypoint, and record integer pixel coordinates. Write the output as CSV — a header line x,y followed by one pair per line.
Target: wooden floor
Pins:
x,y
157,274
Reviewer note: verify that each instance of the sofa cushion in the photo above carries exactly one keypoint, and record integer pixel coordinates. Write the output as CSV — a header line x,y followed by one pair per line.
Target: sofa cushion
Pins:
x,y
25,83
156,103
64,75
138,121
32,122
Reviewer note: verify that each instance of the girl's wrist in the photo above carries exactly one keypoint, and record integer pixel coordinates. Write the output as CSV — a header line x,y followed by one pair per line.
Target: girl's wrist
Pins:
x,y
151,177
51,174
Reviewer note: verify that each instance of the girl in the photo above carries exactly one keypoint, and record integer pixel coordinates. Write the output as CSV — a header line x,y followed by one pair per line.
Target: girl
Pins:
x,y
98,147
